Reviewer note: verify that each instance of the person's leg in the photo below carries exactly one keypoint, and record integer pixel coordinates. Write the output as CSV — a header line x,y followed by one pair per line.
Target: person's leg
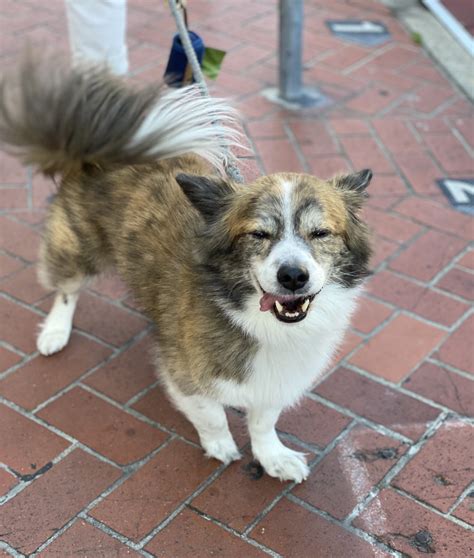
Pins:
x,y
97,32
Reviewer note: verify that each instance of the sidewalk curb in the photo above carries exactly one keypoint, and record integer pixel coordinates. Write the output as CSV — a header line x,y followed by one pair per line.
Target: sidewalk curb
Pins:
x,y
437,41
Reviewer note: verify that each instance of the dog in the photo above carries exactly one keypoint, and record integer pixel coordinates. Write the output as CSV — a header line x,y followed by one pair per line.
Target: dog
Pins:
x,y
250,287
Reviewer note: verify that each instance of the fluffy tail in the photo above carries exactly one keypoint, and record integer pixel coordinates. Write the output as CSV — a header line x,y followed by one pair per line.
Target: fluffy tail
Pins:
x,y
58,118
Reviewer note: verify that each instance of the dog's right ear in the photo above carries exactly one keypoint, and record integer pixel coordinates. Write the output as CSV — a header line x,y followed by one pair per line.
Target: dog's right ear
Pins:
x,y
209,194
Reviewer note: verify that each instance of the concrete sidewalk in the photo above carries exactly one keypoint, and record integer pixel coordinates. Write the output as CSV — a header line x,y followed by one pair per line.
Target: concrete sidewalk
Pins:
x,y
94,461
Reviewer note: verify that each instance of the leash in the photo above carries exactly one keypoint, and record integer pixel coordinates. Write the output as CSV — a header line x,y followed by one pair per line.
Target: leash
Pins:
x,y
231,169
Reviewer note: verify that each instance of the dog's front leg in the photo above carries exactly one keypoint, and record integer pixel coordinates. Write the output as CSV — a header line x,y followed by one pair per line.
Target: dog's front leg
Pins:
x,y
209,419
277,460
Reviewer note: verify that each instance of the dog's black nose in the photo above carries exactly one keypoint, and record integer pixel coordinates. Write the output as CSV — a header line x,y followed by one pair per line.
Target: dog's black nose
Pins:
x,y
292,278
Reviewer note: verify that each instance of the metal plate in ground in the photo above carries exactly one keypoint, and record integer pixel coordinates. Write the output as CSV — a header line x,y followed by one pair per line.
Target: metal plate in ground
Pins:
x,y
361,32
460,193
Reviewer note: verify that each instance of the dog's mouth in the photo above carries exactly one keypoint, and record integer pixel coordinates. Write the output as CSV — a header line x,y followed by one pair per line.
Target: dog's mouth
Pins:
x,y
286,308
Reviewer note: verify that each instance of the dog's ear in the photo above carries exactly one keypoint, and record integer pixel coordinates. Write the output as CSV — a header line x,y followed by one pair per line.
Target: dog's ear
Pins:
x,y
357,182
209,194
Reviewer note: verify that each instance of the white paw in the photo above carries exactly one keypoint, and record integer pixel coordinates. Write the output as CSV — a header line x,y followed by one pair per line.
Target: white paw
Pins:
x,y
52,341
223,449
286,464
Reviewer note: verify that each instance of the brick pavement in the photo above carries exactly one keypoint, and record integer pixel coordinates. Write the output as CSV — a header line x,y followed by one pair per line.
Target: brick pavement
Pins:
x,y
93,459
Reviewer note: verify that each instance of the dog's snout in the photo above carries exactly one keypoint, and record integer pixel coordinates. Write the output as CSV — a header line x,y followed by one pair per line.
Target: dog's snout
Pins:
x,y
292,277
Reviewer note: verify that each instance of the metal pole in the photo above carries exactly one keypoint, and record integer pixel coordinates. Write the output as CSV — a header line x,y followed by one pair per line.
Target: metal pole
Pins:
x,y
291,93
290,50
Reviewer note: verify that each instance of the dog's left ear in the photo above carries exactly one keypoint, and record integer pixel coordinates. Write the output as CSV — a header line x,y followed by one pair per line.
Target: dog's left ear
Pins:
x,y
357,182
208,194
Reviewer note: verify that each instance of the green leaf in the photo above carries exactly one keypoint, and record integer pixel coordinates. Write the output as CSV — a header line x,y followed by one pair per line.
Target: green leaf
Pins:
x,y
212,62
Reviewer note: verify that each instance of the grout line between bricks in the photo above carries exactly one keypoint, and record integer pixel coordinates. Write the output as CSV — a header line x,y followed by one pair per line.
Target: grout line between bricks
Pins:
x,y
451,518
236,533
380,428
398,466
461,497
127,472
12,551
451,368
358,532
312,465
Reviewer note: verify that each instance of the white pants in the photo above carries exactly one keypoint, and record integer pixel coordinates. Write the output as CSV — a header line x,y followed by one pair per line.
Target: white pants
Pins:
x,y
97,32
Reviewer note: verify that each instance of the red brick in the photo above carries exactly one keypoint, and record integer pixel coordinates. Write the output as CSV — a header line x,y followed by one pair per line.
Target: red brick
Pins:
x,y
42,191
18,239
53,499
110,286
143,55
269,128
365,153
390,226
106,321
13,198
11,170
126,375
421,300
255,106
444,387
466,127
8,359
459,282
394,351
191,535
439,472
428,255
328,166
249,496
118,435
467,260
308,534
465,510
24,285
370,314
42,377
378,403
315,135
345,57
278,155
455,350
449,152
7,482
376,98
383,249
349,126
84,541
346,475
155,490
385,191
426,72
433,214
301,422
428,98
18,326
26,446
156,406
396,520
420,171
9,265
396,135
350,342
396,57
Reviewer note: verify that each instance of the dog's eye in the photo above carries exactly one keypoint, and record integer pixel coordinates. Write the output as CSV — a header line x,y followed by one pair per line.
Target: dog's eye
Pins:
x,y
261,235
319,233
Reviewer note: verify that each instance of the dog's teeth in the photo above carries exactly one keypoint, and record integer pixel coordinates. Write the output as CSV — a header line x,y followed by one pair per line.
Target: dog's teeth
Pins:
x,y
292,314
305,305
279,307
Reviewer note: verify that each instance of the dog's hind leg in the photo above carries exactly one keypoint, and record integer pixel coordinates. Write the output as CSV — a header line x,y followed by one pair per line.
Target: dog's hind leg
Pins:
x,y
209,419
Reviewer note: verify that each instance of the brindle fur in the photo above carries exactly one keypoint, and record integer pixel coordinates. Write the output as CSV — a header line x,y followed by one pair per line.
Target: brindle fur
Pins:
x,y
184,245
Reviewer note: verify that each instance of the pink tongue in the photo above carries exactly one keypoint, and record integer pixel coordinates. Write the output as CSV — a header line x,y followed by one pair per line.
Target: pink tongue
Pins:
x,y
268,300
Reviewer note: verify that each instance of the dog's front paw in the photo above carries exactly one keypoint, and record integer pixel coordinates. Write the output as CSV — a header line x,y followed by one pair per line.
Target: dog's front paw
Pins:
x,y
285,464
52,341
223,449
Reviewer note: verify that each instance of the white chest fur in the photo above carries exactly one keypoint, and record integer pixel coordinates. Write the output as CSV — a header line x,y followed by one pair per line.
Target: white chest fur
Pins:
x,y
290,357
